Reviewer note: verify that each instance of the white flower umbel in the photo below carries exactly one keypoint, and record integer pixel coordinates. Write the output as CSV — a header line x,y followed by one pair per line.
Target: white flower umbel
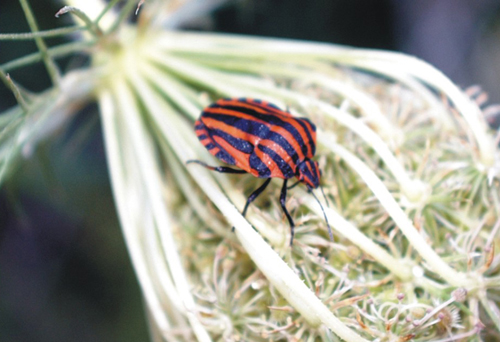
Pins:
x,y
277,272
413,190
161,73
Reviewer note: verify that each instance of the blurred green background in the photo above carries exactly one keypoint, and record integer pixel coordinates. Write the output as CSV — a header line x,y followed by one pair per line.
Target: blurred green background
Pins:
x,y
65,274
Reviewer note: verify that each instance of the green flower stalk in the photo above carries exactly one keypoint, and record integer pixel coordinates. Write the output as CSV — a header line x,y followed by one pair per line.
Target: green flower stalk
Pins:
x,y
412,181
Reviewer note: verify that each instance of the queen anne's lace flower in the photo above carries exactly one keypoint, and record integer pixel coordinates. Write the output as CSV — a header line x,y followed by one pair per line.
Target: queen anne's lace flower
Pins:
x,y
412,182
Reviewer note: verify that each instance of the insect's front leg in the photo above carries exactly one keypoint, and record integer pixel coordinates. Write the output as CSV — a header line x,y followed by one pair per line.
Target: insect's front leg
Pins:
x,y
254,195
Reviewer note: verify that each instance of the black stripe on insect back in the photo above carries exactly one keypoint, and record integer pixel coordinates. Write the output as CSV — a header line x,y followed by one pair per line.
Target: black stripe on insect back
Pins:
x,y
258,129
239,144
259,166
310,173
269,118
210,146
311,141
266,117
285,169
225,157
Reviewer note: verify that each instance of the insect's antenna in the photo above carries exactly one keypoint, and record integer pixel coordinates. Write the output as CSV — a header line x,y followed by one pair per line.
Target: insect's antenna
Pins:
x,y
326,200
324,214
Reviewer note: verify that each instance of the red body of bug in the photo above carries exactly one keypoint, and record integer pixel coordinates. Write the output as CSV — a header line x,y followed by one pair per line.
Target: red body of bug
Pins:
x,y
260,139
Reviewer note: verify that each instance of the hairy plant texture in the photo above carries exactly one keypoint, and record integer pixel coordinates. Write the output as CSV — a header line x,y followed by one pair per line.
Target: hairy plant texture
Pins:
x,y
410,168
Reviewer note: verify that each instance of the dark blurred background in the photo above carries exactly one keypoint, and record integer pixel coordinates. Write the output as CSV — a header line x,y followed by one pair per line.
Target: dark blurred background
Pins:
x,y
65,274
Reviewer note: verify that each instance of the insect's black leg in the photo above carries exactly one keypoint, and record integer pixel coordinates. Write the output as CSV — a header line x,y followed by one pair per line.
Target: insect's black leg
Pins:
x,y
283,206
293,185
221,169
254,195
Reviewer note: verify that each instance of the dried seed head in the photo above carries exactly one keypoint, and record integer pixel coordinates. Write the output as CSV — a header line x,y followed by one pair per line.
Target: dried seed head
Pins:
x,y
460,295
448,318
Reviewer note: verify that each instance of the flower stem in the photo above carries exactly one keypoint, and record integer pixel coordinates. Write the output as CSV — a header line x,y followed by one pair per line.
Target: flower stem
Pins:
x,y
55,52
105,10
52,68
127,9
42,34
7,80
92,26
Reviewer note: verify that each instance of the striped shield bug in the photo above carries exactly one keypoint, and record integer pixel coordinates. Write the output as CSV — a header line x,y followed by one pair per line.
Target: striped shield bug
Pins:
x,y
263,140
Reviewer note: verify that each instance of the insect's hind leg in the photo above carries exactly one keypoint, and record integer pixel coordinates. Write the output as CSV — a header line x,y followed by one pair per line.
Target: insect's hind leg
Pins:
x,y
221,169
283,206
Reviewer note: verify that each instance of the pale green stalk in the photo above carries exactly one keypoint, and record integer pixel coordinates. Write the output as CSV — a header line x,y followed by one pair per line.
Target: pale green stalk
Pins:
x,y
52,68
127,10
42,34
55,52
7,80
91,26
97,10
104,9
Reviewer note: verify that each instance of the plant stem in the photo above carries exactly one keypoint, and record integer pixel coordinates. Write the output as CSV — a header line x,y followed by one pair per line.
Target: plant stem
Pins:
x,y
124,13
52,68
110,5
92,26
12,86
55,52
42,34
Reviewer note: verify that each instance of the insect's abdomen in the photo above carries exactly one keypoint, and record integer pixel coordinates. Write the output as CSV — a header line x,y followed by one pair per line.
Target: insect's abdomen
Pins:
x,y
256,136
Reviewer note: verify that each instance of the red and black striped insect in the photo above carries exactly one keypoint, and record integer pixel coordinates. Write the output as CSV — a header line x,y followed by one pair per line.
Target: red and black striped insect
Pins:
x,y
263,140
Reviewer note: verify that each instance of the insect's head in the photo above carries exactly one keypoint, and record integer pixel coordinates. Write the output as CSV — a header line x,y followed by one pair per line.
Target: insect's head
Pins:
x,y
308,173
